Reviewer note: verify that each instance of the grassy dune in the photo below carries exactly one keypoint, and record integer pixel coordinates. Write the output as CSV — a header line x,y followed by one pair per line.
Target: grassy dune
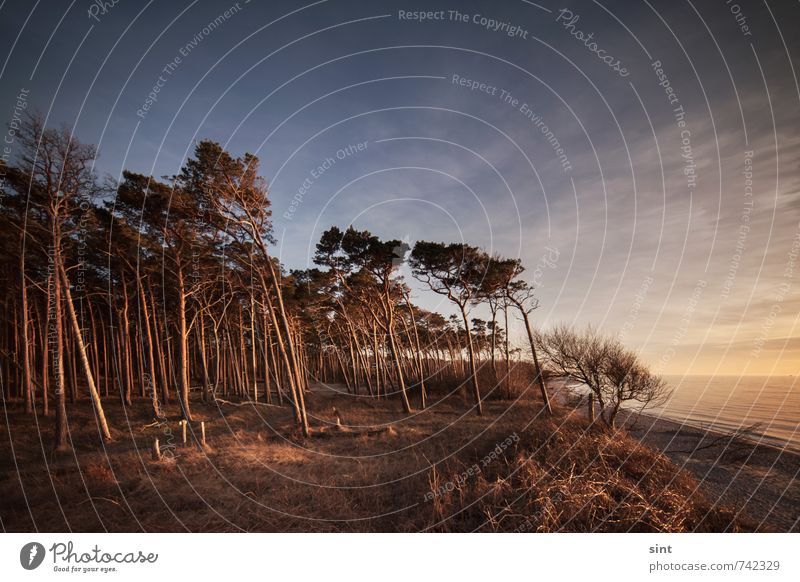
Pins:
x,y
442,469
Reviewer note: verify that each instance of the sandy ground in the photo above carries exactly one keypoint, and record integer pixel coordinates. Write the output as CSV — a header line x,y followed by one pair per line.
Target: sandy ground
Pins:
x,y
759,479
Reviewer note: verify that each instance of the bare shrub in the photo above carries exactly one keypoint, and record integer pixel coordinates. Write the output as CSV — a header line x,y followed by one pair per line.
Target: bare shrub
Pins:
x,y
613,373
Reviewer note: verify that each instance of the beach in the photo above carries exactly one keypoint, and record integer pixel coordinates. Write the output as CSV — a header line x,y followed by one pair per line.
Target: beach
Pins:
x,y
757,478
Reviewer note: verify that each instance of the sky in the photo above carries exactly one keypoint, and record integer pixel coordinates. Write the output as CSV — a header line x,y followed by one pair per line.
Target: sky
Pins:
x,y
640,158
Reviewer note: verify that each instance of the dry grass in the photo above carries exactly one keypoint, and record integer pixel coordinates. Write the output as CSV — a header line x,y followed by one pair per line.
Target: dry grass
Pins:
x,y
565,476
375,473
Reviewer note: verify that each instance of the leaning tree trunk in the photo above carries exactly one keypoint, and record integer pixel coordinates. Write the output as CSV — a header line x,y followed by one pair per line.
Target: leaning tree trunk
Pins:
x,y
536,368
299,411
290,352
87,368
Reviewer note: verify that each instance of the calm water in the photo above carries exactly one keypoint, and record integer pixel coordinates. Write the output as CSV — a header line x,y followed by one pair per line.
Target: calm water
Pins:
x,y
731,402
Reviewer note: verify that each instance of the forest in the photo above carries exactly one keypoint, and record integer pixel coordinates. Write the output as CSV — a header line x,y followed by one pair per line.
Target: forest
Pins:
x,y
324,399
152,291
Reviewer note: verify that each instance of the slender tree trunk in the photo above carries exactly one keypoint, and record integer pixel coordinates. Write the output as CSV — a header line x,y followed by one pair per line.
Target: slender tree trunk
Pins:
x,y
183,348
27,385
125,338
353,364
150,353
139,344
96,351
253,359
536,368
494,343
396,357
87,369
423,395
473,368
45,342
58,357
376,353
162,366
106,365
69,359
507,355
204,358
299,413
276,369
290,354
364,363
267,344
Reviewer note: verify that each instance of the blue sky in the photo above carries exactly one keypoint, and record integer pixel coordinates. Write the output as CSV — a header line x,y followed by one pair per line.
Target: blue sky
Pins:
x,y
622,238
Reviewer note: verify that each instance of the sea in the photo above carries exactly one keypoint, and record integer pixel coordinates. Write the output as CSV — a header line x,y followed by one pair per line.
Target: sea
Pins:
x,y
769,405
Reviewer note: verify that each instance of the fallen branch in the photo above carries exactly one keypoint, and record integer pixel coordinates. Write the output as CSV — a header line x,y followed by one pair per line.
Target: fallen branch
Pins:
x,y
245,403
332,431
740,437
92,499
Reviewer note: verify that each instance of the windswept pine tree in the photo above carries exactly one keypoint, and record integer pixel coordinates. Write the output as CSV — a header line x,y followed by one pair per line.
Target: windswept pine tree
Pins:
x,y
456,271
366,267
